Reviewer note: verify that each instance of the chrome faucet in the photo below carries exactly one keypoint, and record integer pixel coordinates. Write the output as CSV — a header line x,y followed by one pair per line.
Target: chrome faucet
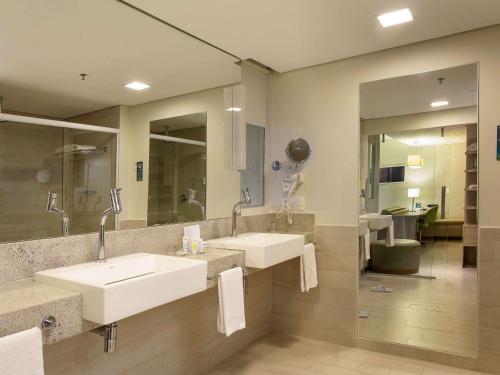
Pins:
x,y
51,207
191,200
246,200
116,208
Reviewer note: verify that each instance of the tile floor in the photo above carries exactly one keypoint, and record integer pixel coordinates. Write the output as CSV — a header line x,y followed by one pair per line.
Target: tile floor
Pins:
x,y
288,355
438,314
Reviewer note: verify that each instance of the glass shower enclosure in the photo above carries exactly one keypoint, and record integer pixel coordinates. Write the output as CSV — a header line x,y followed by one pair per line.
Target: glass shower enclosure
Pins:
x,y
77,162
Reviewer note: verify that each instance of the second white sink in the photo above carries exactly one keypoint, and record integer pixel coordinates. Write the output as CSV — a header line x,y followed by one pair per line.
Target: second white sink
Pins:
x,y
127,285
263,250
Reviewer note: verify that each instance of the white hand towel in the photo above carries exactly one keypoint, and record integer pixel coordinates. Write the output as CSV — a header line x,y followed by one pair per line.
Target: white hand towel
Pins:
x,y
389,238
21,353
308,269
231,316
366,244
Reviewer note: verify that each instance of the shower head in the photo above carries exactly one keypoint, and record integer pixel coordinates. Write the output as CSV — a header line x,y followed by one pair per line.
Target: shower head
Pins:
x,y
246,196
75,149
51,201
116,204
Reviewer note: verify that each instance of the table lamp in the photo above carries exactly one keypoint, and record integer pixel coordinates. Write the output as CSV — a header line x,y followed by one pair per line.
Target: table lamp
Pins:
x,y
413,193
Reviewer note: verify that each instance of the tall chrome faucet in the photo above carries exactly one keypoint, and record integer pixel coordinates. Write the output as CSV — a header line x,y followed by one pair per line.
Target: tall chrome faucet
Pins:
x,y
51,207
191,200
246,200
116,208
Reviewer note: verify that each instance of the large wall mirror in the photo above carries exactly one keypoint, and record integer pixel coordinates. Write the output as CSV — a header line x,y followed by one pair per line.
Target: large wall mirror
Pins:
x,y
418,210
72,126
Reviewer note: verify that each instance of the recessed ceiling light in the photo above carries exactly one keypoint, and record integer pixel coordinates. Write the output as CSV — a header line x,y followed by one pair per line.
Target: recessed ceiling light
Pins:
x,y
137,86
234,109
439,103
395,18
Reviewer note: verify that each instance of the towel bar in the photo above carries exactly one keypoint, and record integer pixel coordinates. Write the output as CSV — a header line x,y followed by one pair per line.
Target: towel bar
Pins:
x,y
245,278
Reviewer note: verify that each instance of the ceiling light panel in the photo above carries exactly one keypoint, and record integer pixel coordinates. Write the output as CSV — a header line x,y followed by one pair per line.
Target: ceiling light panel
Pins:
x,y
395,18
137,86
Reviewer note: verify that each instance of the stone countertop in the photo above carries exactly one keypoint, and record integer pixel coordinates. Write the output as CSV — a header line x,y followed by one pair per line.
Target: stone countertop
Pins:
x,y
24,304
218,260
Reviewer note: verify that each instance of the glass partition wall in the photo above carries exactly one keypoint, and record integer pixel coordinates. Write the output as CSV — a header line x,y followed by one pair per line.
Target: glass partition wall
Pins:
x,y
78,165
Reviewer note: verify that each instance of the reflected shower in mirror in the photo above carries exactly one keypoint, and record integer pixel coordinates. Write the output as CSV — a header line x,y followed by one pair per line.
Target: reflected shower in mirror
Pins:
x,y
177,169
418,219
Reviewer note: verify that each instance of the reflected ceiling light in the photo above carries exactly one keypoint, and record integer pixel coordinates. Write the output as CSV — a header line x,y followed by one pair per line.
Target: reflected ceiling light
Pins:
x,y
395,18
415,161
233,109
137,86
439,103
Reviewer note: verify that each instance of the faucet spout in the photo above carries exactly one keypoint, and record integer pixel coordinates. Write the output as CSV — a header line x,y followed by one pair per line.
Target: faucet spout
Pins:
x,y
51,207
246,200
116,208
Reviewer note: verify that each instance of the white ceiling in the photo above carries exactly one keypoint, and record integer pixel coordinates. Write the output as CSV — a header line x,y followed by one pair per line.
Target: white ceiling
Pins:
x,y
45,45
414,93
292,34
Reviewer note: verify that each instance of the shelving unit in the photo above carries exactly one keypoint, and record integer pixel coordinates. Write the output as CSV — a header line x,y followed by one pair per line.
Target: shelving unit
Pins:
x,y
469,233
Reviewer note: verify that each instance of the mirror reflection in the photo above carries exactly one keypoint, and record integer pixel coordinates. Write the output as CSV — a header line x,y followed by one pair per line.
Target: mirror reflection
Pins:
x,y
104,110
418,219
177,169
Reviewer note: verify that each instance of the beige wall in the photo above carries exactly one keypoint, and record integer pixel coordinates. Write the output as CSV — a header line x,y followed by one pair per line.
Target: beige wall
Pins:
x,y
322,104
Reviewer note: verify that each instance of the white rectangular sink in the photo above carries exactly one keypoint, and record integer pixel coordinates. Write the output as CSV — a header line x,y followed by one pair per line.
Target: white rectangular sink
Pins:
x,y
263,250
127,285
377,221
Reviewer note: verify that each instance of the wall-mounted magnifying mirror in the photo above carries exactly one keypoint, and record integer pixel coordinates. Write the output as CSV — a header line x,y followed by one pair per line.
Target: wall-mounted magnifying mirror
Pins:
x,y
297,151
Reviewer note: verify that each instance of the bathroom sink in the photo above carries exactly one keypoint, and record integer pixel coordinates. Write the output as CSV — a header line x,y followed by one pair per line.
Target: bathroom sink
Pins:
x,y
362,226
127,285
377,221
263,250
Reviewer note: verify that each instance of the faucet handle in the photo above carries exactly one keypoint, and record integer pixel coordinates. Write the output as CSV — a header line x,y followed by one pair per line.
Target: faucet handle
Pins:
x,y
114,196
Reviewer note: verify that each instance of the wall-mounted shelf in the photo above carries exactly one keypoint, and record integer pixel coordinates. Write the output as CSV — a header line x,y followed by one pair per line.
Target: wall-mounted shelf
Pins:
x,y
469,230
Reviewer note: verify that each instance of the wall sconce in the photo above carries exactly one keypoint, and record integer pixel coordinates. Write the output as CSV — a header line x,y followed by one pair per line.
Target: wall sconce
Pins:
x,y
415,161
235,125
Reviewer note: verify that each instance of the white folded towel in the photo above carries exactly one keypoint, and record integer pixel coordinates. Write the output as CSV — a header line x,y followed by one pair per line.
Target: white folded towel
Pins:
x,y
389,239
21,353
231,316
366,244
308,269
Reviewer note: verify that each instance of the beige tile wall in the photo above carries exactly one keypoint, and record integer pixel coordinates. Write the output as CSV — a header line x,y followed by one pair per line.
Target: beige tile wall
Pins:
x,y
329,311
177,338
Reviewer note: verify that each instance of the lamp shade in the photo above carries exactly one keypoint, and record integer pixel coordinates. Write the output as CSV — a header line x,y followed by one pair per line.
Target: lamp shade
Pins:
x,y
413,192
415,161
